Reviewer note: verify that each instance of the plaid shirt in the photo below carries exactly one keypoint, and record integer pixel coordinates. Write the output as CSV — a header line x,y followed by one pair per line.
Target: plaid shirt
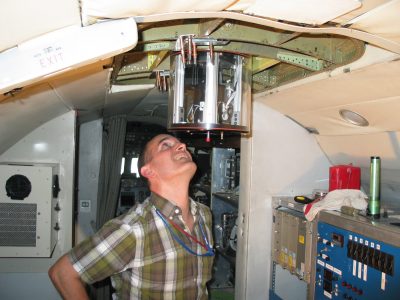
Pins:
x,y
142,257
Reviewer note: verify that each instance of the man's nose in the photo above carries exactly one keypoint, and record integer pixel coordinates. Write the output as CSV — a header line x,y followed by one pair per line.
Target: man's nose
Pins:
x,y
181,147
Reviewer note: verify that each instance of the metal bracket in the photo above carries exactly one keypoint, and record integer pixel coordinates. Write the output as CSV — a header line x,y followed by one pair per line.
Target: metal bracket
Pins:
x,y
301,60
161,80
187,46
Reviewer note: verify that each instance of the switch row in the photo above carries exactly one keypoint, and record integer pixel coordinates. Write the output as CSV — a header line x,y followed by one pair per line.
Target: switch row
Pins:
x,y
374,258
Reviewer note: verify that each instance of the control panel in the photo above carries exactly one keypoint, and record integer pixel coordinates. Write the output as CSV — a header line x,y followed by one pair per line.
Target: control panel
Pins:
x,y
132,190
356,260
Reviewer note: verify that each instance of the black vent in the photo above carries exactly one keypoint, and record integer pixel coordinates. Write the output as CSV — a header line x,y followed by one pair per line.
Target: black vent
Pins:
x,y
18,187
18,224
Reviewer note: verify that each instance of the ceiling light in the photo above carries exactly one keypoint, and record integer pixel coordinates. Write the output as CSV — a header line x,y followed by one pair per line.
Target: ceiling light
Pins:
x,y
353,117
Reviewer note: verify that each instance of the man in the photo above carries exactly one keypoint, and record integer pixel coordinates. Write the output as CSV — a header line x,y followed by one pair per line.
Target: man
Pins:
x,y
160,249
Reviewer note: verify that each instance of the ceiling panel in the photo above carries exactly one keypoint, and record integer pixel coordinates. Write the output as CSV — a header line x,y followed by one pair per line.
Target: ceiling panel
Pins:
x,y
303,11
358,86
383,21
382,115
84,88
25,20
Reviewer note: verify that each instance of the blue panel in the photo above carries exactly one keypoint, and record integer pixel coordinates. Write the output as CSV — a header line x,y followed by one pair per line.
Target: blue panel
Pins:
x,y
352,266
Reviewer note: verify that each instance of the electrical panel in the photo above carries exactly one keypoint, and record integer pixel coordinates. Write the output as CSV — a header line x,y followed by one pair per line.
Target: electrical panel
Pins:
x,y
356,258
224,207
28,210
292,236
132,190
289,241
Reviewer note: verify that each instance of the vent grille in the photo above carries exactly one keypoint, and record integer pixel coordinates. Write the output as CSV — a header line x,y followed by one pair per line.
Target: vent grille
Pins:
x,y
18,224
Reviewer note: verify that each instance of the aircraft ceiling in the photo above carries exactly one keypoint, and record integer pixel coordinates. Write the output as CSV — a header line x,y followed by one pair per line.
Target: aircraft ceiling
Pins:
x,y
285,50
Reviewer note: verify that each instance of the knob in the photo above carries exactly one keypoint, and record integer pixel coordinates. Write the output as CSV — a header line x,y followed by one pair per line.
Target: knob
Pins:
x,y
325,257
57,227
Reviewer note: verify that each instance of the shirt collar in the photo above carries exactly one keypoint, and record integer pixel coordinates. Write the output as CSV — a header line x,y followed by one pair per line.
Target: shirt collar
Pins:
x,y
170,210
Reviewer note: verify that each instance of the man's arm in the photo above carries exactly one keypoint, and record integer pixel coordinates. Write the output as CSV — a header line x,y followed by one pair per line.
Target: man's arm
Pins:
x,y
67,280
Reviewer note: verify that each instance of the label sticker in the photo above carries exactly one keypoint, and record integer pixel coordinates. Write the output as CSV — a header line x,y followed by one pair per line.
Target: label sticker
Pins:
x,y
337,271
151,58
327,294
365,273
329,267
383,281
301,239
320,262
85,206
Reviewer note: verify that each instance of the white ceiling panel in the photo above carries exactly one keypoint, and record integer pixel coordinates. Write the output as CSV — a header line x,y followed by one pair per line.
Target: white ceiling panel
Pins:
x,y
84,88
313,12
382,115
24,20
383,21
362,85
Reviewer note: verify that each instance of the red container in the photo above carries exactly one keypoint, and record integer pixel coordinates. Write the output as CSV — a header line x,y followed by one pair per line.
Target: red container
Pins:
x,y
344,177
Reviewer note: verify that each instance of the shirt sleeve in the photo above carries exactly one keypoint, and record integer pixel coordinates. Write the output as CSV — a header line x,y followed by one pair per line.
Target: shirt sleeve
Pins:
x,y
105,253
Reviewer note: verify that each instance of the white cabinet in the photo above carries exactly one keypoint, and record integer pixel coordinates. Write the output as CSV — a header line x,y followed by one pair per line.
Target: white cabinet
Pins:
x,y
28,210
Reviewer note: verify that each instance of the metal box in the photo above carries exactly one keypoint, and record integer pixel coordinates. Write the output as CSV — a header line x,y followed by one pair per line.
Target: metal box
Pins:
x,y
28,213
292,235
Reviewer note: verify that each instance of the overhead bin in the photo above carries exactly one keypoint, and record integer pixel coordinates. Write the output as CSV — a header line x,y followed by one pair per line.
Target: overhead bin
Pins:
x,y
63,50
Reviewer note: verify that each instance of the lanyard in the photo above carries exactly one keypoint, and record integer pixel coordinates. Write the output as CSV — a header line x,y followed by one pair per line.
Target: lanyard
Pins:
x,y
206,246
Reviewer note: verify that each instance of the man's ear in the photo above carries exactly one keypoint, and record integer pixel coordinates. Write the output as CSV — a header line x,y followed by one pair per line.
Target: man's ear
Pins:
x,y
147,171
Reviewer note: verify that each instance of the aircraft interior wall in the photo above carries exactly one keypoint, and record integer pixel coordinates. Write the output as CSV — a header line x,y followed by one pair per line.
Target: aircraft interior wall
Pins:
x,y
280,158
90,139
53,142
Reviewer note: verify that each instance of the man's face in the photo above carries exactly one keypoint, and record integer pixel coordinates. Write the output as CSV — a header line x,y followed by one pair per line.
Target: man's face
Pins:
x,y
168,157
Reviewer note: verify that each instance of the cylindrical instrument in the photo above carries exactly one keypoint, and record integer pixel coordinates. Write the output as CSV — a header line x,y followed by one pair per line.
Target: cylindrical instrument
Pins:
x,y
374,187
